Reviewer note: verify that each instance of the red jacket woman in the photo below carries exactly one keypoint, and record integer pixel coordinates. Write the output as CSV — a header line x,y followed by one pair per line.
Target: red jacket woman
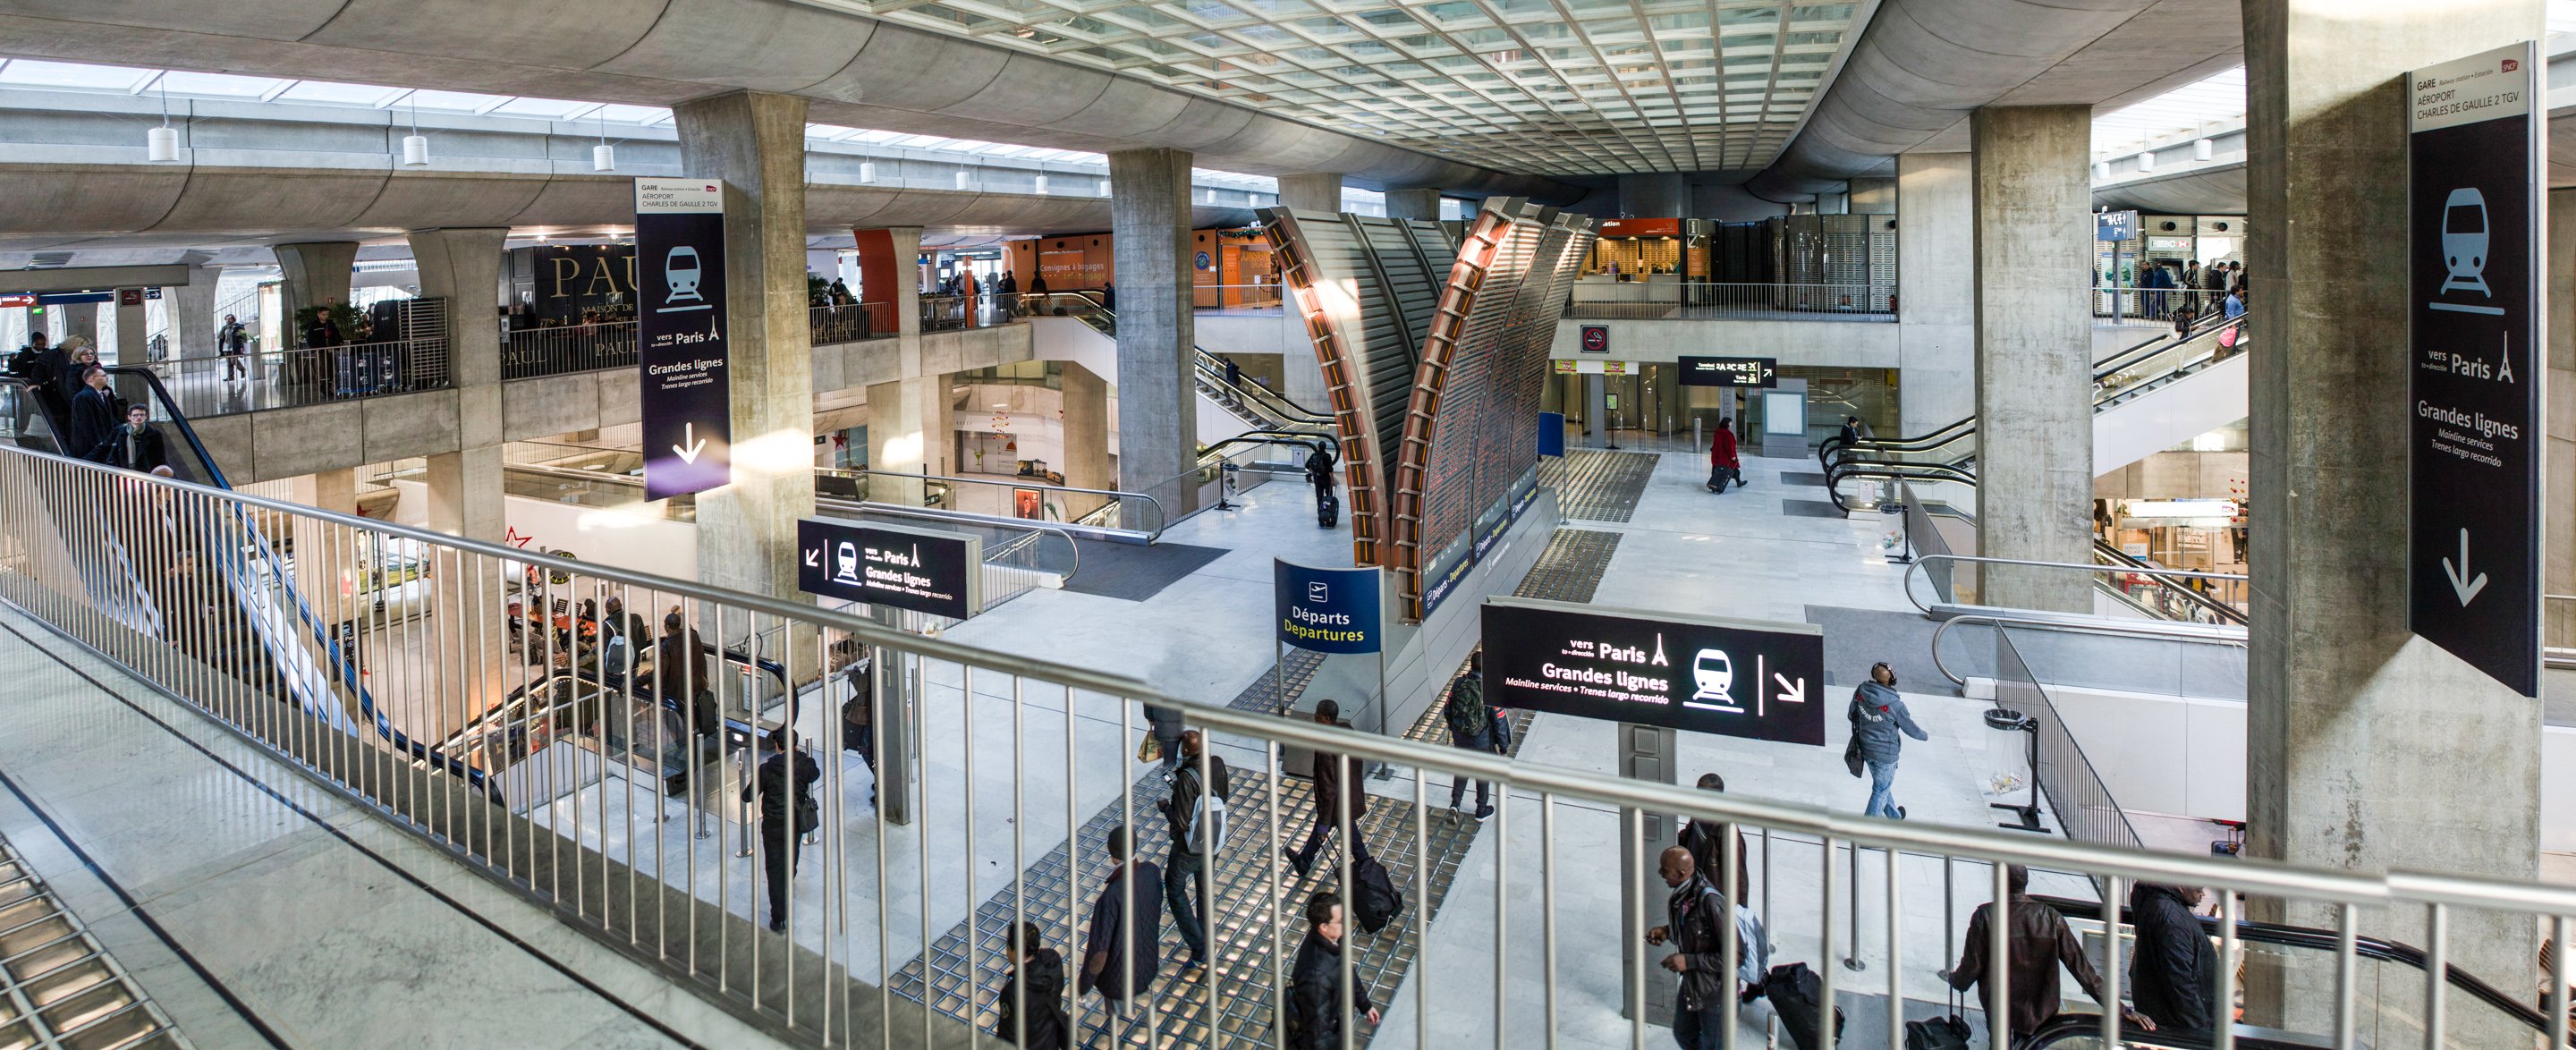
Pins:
x,y
1723,466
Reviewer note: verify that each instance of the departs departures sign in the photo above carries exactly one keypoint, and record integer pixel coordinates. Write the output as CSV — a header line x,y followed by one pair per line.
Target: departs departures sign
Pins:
x,y
1730,371
1747,678
680,325
2474,399
1326,610
924,570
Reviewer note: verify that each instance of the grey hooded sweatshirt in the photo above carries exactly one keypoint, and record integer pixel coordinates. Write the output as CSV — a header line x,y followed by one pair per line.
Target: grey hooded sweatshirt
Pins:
x,y
1877,714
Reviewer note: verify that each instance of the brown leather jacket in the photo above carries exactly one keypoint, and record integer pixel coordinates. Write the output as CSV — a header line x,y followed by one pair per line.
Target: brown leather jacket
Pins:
x,y
2038,942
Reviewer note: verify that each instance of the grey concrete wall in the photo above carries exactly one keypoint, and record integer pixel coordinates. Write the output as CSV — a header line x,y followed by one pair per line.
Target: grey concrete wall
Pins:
x,y
192,317
755,142
1311,191
2033,259
1653,195
463,266
1936,286
2559,477
1861,344
1412,204
2367,747
1157,398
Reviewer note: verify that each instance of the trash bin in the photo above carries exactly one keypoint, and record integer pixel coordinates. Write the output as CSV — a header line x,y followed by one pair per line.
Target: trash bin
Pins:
x,y
2012,761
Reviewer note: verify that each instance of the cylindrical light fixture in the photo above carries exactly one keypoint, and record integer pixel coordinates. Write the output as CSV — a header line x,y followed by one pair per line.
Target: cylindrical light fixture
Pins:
x,y
603,157
2202,149
415,151
162,144
1104,187
2102,172
1211,194
2147,161
1042,184
961,178
868,172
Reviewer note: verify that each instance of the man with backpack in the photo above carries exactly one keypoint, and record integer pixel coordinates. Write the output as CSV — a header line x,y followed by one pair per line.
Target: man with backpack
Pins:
x,y
787,813
1471,726
1696,914
1196,812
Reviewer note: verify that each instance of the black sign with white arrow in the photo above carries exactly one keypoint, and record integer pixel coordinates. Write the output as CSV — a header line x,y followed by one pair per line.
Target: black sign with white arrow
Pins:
x,y
680,326
924,570
2474,399
1747,678
1730,371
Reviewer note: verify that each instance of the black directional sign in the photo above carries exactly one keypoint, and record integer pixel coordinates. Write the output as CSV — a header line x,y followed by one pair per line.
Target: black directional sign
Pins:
x,y
924,570
1753,679
1730,371
680,327
2474,399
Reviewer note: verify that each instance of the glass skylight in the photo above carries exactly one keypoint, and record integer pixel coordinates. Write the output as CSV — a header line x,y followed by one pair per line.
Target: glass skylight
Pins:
x,y
2215,102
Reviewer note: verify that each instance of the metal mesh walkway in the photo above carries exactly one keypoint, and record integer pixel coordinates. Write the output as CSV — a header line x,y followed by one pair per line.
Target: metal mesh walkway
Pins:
x,y
1598,484
58,987
1243,919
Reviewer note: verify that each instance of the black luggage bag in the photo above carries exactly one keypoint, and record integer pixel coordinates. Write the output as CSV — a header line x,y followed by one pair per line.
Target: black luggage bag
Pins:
x,y
1794,991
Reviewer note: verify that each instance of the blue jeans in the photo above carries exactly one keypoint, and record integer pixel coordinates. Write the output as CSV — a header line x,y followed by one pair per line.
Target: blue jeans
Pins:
x,y
1882,793
1703,1029
1482,743
1184,874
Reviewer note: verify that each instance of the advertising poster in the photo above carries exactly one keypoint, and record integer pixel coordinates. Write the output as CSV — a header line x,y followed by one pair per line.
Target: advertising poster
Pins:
x,y
924,570
1744,678
680,336
2474,399
1326,610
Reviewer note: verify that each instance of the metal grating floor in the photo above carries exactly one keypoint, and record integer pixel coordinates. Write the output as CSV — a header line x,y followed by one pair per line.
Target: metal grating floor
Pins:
x,y
58,987
1597,484
1240,933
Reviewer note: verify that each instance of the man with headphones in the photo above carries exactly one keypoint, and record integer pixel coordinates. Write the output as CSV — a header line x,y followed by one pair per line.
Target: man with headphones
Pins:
x,y
1877,715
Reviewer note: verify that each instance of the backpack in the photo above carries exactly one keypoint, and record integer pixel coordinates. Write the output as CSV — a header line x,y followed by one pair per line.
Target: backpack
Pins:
x,y
1206,832
1376,901
1466,712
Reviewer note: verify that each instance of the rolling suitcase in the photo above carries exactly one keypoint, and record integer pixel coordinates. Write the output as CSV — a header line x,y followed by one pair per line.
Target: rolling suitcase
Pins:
x,y
1794,991
1328,510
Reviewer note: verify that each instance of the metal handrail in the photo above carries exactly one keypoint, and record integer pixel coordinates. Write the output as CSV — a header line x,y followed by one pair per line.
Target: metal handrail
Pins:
x,y
1919,563
2117,557
2115,629
1161,517
1069,530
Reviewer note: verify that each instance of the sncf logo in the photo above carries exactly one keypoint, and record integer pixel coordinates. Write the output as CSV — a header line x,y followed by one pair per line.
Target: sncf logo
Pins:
x,y
2512,64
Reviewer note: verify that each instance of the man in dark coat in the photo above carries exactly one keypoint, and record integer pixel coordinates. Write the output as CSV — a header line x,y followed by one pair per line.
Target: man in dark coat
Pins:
x,y
1337,788
1315,989
1127,916
785,810
2175,974
1037,973
137,446
93,418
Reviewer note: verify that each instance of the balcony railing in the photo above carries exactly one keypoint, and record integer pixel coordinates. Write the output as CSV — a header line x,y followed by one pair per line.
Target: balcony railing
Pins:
x,y
1739,302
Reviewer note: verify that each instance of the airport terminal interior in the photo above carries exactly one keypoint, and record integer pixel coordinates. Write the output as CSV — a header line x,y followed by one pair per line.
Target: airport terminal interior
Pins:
x,y
1312,524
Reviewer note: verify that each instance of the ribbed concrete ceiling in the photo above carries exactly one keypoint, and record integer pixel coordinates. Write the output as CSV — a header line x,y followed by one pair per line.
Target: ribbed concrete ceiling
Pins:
x,y
1545,86
860,72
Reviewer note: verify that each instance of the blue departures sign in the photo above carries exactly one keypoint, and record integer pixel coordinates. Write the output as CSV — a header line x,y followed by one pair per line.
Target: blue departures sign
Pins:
x,y
680,327
2474,398
1326,610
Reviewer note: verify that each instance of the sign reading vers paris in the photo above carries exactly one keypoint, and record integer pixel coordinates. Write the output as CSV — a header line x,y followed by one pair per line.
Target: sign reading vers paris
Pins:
x,y
2474,399
680,336
1759,680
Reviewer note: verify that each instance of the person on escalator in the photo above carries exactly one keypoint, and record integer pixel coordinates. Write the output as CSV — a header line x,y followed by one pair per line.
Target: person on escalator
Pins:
x,y
785,789
680,677
137,446
2037,943
93,424
1723,464
2174,980
37,365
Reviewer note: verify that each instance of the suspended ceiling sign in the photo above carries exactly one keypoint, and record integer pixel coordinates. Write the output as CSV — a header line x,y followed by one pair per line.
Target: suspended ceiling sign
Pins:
x,y
1545,86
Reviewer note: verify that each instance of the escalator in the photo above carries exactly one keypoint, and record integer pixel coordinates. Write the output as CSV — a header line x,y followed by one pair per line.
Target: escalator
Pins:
x,y
2387,1011
258,625
1260,409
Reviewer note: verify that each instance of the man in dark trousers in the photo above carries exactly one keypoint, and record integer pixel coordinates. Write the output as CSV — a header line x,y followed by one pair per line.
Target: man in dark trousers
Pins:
x,y
1315,988
1319,471
2174,981
137,446
1695,924
1185,875
1471,726
1337,789
2037,942
233,342
1126,917
93,418
787,812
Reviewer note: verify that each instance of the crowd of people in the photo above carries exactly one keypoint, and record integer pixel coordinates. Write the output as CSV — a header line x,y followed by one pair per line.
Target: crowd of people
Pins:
x,y
67,383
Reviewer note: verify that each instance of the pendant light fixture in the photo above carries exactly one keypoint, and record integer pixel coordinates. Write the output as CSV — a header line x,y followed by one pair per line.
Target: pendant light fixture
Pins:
x,y
868,170
415,146
1042,184
1104,187
603,157
161,144
961,178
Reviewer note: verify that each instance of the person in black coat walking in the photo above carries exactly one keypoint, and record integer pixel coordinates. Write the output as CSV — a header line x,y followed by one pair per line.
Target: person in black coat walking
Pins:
x,y
93,423
2174,977
1315,989
1337,789
787,812
1127,916
1037,972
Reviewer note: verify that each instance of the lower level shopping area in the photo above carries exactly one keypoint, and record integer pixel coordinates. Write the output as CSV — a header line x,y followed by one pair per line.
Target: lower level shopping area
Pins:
x,y
598,806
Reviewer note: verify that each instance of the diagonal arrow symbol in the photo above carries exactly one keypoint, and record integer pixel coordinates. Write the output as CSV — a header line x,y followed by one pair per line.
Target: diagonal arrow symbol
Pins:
x,y
695,445
814,559
2467,589
1791,692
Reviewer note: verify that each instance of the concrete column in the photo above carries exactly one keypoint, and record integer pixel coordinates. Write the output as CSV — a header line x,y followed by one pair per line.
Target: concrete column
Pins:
x,y
1157,401
324,572
192,313
755,142
2559,466
1936,303
2033,241
79,319
1301,373
907,427
2366,748
1319,191
1875,196
132,331
1413,204
315,273
463,266
1087,462
1654,195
